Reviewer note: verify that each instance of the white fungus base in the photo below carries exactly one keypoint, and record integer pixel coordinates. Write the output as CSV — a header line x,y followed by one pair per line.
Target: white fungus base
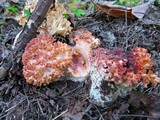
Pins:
x,y
102,96
96,77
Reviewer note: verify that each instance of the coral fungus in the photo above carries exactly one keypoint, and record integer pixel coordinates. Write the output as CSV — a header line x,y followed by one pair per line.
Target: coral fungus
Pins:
x,y
85,41
139,59
120,70
127,69
45,60
138,63
108,66
55,22
150,77
83,35
112,61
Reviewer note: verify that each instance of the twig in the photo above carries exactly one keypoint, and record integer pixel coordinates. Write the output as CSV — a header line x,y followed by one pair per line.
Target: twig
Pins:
x,y
101,116
40,107
32,24
91,24
28,32
60,115
65,94
142,116
127,29
10,110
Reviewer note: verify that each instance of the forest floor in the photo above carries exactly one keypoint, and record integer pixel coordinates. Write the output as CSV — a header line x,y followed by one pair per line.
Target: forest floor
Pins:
x,y
69,100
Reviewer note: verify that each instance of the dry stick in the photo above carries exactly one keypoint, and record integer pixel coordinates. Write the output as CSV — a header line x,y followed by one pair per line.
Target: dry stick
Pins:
x,y
140,116
101,116
28,32
65,94
64,112
40,107
126,28
10,110
33,23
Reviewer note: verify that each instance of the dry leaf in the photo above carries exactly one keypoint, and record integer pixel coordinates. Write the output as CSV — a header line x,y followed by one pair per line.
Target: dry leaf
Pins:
x,y
140,10
151,103
120,11
77,112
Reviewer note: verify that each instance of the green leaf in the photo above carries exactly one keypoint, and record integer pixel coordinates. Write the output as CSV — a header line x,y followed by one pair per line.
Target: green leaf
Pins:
x,y
116,2
75,1
72,8
12,9
91,5
83,3
79,12
72,1
124,2
27,13
66,15
134,2
158,1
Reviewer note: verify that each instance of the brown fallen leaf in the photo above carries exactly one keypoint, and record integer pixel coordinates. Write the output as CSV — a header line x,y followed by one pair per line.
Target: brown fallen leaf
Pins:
x,y
111,9
150,102
114,10
152,17
140,10
77,111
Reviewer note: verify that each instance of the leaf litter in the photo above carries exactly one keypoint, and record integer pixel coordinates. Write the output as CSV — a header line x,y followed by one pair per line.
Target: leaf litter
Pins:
x,y
68,100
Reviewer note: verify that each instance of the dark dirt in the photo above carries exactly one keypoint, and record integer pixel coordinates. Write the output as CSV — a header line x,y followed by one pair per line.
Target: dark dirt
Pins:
x,y
67,100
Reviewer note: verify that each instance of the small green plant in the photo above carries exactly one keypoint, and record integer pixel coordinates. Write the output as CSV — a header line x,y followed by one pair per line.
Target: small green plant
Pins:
x,y
91,5
74,7
78,8
12,9
79,12
66,15
158,1
127,2
27,13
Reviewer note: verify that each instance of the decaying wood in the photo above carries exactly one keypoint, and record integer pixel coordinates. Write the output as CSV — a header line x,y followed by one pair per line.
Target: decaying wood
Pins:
x,y
28,32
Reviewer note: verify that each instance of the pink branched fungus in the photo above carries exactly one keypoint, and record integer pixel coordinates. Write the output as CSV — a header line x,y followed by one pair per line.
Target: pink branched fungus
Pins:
x,y
108,66
150,77
113,61
45,60
85,41
138,63
85,36
119,73
127,69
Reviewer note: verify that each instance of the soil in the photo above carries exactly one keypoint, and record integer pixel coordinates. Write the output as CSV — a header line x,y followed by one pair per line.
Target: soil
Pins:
x,y
67,100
